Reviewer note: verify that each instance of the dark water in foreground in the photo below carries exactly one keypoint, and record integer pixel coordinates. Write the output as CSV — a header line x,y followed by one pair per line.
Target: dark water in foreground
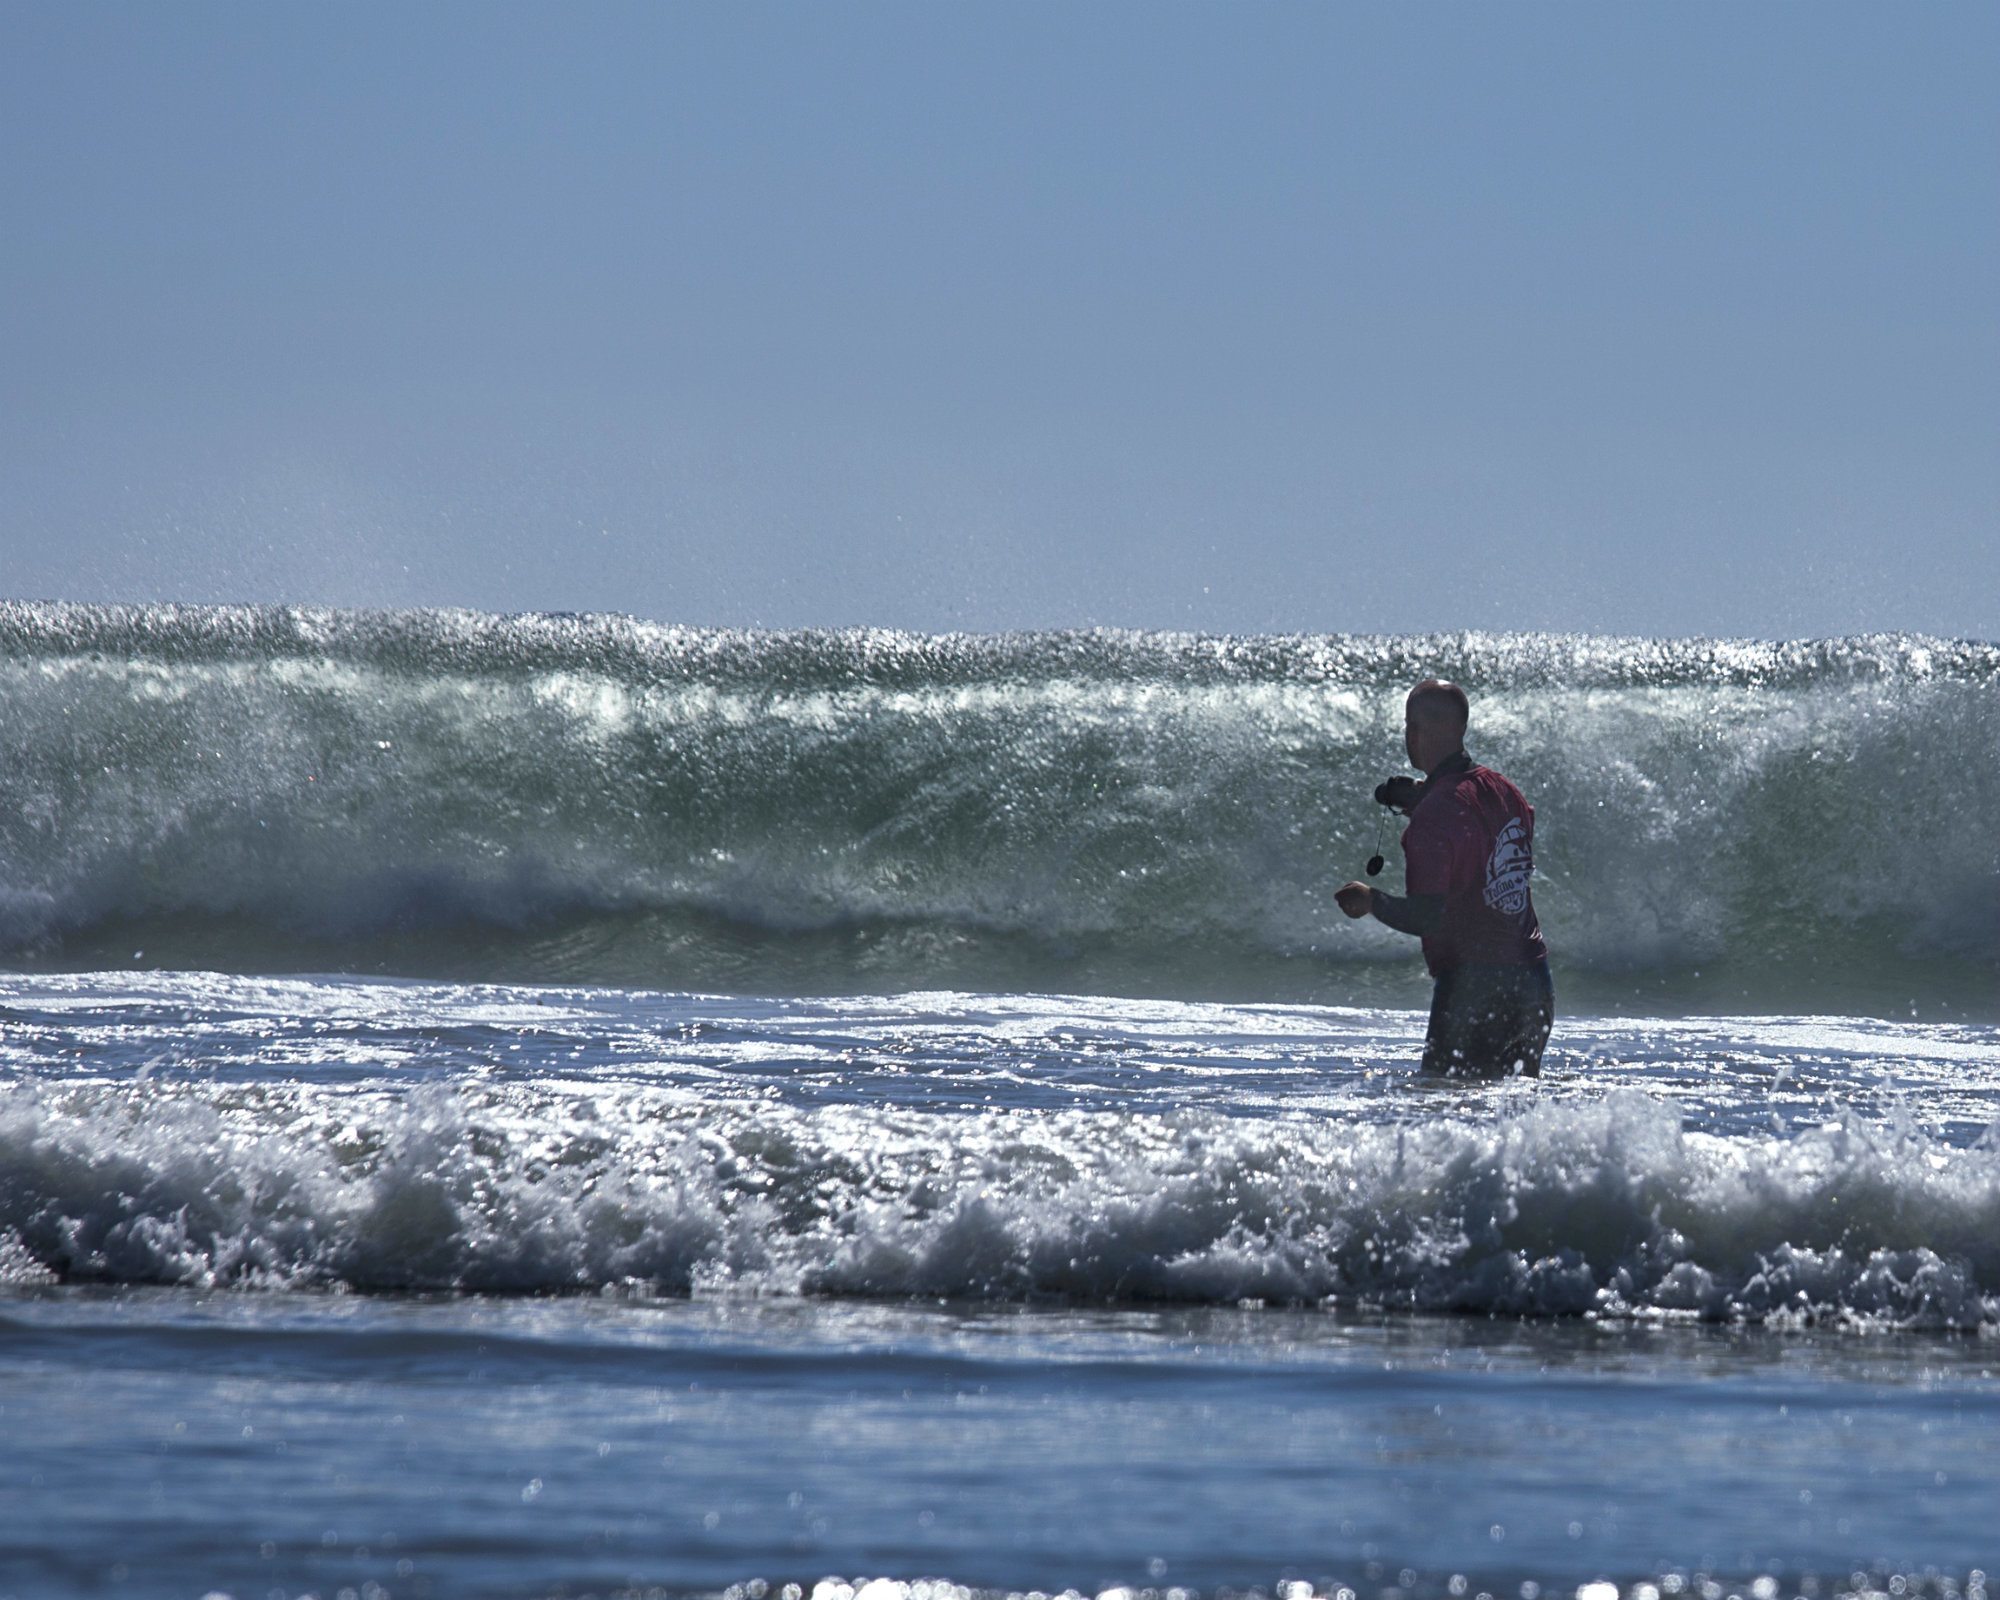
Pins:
x,y
520,1448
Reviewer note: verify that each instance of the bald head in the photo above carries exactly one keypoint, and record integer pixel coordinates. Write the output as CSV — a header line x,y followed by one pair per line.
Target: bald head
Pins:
x,y
1440,704
1434,718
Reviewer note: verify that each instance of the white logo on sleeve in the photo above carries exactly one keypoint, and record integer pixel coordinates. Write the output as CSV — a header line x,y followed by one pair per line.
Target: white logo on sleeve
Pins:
x,y
1507,870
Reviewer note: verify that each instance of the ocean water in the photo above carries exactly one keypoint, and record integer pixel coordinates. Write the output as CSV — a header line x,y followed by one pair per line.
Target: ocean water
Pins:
x,y
559,1106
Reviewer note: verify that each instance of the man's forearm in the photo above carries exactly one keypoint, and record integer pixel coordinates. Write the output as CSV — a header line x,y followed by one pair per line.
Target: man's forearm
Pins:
x,y
1418,914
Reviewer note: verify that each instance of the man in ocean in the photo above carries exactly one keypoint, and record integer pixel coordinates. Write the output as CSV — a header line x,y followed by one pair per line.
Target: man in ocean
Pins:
x,y
1468,853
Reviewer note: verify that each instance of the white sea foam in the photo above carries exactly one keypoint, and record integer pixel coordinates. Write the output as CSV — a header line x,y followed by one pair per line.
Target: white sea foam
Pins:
x,y
1609,1208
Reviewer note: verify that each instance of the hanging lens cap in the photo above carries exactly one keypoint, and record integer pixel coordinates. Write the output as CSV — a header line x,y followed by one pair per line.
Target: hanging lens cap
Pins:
x,y
1374,865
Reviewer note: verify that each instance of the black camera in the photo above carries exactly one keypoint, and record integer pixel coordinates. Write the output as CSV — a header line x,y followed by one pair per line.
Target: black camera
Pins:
x,y
1398,794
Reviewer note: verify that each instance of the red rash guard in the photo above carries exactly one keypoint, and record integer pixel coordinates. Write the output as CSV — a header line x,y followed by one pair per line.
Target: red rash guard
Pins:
x,y
1471,839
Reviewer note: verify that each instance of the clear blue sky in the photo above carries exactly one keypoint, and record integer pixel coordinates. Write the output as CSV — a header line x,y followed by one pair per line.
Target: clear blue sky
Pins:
x,y
1639,318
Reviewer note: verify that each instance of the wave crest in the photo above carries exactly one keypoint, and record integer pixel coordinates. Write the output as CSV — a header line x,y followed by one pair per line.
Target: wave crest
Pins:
x,y
596,798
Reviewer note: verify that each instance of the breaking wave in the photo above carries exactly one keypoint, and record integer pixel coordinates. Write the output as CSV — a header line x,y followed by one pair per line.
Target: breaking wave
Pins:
x,y
593,798
1612,1208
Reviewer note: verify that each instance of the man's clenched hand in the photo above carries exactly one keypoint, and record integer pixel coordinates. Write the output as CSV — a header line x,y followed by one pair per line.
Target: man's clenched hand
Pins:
x,y
1356,899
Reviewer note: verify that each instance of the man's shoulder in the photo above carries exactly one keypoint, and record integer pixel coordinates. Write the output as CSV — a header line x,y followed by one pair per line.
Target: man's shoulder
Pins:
x,y
1497,783
1446,805
1455,790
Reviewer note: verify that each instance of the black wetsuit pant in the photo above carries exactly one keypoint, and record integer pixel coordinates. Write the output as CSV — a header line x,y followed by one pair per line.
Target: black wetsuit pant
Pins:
x,y
1490,1021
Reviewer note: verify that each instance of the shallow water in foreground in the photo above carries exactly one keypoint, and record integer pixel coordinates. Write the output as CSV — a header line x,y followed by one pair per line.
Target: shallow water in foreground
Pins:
x,y
313,1284
481,1447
